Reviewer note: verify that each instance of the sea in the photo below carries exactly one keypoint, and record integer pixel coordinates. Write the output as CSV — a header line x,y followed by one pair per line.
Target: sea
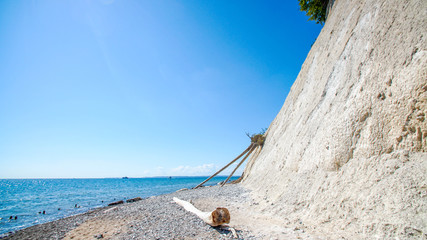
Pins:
x,y
36,201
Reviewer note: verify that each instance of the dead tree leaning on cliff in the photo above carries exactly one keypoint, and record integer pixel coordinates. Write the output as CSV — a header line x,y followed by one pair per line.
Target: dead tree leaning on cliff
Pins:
x,y
257,141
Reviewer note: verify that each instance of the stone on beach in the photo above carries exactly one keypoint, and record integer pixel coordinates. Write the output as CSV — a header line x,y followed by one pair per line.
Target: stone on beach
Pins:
x,y
134,200
116,203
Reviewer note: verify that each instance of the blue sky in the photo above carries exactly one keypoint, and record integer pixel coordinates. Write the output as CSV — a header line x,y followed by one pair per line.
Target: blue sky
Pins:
x,y
108,88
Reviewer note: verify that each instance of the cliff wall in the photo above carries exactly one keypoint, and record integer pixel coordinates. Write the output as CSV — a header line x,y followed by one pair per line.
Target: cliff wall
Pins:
x,y
347,152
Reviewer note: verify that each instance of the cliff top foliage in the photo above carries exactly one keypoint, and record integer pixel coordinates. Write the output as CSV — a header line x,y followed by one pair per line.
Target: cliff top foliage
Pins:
x,y
316,9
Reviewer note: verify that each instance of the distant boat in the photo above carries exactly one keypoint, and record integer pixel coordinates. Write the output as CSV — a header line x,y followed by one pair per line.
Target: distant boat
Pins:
x,y
125,178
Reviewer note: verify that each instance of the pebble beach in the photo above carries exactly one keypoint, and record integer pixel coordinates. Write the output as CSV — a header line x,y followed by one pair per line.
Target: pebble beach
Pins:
x,y
158,217
151,218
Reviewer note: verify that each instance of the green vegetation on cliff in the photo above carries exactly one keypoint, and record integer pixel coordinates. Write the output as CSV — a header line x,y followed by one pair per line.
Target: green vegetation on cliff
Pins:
x,y
316,9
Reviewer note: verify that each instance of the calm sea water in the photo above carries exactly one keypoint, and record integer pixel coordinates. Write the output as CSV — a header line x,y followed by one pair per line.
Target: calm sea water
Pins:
x,y
28,198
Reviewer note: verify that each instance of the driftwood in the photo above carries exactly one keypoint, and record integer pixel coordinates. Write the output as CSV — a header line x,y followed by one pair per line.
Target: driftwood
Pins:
x,y
215,218
226,166
257,141
240,163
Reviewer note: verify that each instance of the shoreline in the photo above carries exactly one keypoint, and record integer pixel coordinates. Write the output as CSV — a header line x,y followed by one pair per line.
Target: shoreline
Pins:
x,y
74,227
66,223
69,197
159,217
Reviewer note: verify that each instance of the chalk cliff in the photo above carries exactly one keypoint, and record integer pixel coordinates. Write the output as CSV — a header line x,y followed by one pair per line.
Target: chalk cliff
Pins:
x,y
346,155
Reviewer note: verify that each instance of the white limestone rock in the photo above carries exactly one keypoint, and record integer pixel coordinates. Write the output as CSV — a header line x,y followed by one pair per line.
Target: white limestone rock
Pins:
x,y
347,151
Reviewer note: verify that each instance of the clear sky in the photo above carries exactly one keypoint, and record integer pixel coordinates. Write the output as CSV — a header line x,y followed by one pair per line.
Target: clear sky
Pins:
x,y
104,88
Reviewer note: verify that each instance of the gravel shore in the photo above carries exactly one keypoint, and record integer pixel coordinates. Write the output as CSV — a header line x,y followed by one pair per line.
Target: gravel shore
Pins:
x,y
152,218
159,217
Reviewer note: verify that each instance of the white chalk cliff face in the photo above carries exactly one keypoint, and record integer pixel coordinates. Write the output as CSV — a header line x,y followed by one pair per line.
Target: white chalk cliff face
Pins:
x,y
347,152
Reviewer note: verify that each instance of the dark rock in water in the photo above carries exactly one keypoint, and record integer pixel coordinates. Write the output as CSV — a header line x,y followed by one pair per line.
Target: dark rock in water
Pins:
x,y
134,199
116,203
